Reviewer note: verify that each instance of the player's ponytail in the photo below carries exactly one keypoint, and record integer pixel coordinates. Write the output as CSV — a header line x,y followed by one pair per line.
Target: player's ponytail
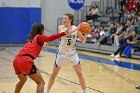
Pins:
x,y
33,32
40,29
36,29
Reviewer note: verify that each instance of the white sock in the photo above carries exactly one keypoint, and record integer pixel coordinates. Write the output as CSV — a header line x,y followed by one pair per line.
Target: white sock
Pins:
x,y
85,90
47,91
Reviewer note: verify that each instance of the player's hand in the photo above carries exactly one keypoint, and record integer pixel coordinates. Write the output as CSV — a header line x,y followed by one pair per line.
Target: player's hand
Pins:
x,y
69,31
78,27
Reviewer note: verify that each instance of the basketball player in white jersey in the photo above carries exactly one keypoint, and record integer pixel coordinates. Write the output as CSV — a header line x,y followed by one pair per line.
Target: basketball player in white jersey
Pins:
x,y
67,52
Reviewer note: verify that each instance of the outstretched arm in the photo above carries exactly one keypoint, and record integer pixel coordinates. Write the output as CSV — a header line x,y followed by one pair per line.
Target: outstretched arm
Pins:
x,y
43,38
68,30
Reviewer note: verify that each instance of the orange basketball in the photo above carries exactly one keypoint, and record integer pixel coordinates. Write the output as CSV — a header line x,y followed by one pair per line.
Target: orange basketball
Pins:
x,y
85,28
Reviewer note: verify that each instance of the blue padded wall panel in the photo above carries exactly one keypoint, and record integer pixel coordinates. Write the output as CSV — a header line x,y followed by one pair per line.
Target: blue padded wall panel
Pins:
x,y
15,24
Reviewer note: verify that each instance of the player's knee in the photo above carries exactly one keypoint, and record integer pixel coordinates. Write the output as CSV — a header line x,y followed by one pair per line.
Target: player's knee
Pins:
x,y
40,82
23,80
79,73
43,82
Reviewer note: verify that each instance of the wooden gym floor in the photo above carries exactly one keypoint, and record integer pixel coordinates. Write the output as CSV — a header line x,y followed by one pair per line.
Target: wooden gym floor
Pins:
x,y
102,73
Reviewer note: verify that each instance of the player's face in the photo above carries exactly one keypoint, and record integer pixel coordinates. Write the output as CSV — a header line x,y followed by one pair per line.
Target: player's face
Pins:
x,y
66,20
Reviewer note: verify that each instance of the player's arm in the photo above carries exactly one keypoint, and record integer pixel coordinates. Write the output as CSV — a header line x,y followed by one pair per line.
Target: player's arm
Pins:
x,y
43,38
83,38
131,42
61,29
68,31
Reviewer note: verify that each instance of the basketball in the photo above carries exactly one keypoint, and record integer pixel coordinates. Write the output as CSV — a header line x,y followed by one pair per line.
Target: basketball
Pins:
x,y
85,28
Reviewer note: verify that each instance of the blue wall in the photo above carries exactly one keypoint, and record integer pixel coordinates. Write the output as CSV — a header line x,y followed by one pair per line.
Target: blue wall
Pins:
x,y
16,23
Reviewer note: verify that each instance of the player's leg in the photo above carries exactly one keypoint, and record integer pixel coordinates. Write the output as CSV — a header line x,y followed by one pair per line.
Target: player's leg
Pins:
x,y
77,67
19,85
36,76
58,63
78,71
52,78
39,81
22,78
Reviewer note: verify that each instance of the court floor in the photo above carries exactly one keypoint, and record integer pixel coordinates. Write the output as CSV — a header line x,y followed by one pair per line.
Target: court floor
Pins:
x,y
102,73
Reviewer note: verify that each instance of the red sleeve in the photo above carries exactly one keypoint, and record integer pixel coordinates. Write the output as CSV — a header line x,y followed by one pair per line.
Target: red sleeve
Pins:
x,y
43,38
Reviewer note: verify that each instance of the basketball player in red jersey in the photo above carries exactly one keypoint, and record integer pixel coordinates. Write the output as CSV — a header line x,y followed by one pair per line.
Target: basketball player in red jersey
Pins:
x,y
24,62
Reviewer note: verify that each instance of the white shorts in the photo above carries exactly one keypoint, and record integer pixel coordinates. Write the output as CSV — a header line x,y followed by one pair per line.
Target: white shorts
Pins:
x,y
66,56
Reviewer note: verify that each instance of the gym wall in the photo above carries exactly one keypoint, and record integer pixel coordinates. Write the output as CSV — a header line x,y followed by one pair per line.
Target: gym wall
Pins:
x,y
16,18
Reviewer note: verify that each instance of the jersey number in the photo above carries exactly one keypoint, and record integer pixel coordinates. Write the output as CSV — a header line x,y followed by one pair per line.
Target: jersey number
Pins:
x,y
69,42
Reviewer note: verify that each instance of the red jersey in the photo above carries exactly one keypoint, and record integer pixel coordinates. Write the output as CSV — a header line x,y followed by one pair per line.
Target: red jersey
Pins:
x,y
23,63
34,47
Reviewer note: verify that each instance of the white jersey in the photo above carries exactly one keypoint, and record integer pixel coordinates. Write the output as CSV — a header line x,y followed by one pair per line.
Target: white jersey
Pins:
x,y
67,50
69,42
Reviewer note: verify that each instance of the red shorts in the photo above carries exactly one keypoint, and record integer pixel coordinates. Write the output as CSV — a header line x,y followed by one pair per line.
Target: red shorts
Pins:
x,y
24,65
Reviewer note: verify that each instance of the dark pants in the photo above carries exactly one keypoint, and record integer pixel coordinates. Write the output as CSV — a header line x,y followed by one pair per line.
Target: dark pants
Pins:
x,y
104,41
92,17
121,48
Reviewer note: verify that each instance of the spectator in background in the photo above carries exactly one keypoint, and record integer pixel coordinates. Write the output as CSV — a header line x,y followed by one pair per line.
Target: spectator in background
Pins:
x,y
89,36
129,41
133,13
93,13
133,39
123,11
127,16
119,34
122,3
132,5
119,16
95,33
101,37
137,22
124,15
130,18
138,9
113,29
129,29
